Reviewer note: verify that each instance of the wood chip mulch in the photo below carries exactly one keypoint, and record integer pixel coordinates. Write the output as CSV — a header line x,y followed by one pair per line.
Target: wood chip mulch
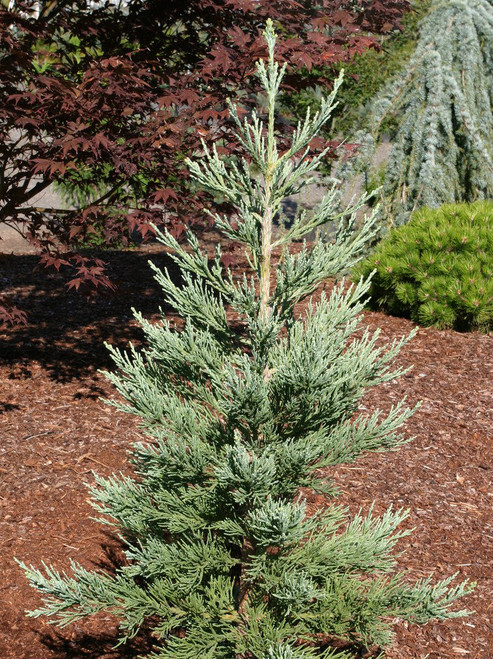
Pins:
x,y
54,431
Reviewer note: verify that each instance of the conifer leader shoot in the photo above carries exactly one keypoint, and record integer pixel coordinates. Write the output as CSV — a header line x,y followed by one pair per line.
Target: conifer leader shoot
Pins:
x,y
224,561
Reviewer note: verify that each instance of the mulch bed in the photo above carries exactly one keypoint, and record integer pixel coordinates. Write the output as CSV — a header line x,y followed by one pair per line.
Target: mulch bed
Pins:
x,y
54,431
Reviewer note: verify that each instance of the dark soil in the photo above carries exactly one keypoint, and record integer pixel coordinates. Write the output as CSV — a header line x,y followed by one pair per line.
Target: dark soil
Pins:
x,y
54,431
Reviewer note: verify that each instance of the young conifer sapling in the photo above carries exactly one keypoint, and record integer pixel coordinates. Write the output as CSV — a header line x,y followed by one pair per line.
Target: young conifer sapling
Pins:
x,y
241,411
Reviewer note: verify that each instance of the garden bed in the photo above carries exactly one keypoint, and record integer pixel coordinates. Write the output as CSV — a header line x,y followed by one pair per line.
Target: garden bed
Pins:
x,y
55,431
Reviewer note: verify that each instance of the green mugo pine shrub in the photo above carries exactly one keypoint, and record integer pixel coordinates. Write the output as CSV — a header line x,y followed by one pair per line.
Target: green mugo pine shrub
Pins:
x,y
240,412
438,268
437,113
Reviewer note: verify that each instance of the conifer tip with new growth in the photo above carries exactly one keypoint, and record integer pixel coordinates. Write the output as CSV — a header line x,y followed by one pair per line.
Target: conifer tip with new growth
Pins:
x,y
223,559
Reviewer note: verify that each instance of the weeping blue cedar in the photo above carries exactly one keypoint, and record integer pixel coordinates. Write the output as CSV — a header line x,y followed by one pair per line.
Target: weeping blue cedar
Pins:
x,y
223,561
438,114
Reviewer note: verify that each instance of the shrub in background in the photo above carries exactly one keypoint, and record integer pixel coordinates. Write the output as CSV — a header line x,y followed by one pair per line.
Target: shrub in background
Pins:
x,y
438,114
365,73
437,269
240,411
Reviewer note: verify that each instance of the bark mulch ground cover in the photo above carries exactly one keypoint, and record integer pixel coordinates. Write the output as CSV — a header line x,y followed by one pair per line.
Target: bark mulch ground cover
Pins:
x,y
54,431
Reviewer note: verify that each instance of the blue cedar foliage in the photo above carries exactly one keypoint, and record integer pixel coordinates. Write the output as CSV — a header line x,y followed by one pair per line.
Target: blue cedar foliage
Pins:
x,y
438,114
224,561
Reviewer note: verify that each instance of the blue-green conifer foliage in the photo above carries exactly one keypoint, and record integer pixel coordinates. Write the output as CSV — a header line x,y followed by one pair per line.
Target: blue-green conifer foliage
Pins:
x,y
240,412
437,113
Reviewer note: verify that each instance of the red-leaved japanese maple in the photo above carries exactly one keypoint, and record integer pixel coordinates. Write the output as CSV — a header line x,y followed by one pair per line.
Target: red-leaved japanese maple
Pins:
x,y
108,98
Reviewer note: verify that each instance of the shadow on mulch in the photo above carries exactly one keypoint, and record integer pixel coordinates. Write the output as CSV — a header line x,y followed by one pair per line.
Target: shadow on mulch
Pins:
x,y
66,330
8,407
100,644
96,646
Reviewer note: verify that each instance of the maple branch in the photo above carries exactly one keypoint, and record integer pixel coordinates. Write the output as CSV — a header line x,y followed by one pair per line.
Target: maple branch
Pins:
x,y
51,9
71,211
37,188
7,152
105,197
19,199
15,227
